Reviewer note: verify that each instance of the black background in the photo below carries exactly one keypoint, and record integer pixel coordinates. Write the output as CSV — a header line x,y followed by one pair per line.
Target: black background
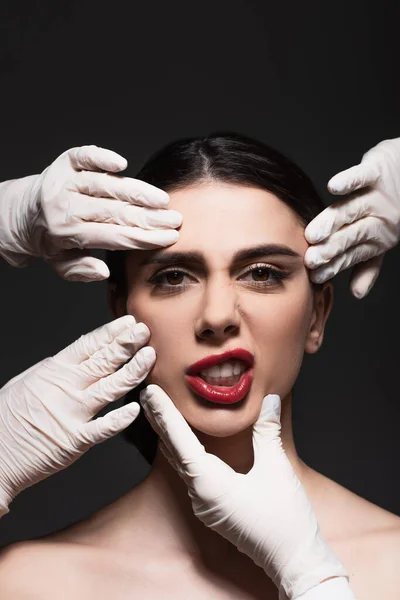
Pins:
x,y
317,80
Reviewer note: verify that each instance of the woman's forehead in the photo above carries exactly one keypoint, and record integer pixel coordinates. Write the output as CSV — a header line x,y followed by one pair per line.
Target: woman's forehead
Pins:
x,y
226,216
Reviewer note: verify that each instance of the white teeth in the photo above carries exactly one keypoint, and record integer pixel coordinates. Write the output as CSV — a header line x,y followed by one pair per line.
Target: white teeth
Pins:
x,y
229,368
214,371
236,368
226,370
222,381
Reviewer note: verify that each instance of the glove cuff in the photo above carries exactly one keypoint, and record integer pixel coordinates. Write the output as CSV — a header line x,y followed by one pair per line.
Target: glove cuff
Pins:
x,y
333,589
18,212
313,562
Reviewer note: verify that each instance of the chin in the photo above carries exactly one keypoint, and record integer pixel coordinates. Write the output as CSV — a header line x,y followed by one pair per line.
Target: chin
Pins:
x,y
214,419
220,420
219,432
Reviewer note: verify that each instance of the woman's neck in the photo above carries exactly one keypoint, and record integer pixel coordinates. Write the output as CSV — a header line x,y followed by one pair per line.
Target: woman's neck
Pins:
x,y
161,509
237,450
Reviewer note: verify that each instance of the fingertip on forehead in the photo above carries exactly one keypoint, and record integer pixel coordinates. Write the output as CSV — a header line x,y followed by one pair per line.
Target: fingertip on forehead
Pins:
x,y
151,191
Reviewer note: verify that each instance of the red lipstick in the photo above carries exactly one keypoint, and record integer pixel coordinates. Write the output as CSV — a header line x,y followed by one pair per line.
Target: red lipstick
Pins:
x,y
215,359
216,393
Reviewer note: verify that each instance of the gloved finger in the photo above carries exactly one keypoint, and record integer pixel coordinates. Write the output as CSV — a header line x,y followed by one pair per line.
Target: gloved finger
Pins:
x,y
364,275
164,450
343,212
102,428
106,210
174,429
165,444
79,265
162,441
352,256
93,158
354,178
267,426
169,456
111,388
108,359
133,191
91,342
348,236
120,237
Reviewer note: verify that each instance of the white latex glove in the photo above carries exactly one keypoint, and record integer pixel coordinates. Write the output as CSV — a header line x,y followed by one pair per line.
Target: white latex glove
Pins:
x,y
74,206
362,227
46,412
265,513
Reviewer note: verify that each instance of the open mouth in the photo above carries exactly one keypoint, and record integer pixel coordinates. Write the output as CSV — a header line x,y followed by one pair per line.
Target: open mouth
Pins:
x,y
226,383
225,374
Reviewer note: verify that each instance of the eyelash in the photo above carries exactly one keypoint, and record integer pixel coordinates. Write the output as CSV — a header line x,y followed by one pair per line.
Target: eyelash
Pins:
x,y
277,277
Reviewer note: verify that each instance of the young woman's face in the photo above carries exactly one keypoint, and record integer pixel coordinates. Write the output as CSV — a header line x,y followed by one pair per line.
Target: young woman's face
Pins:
x,y
263,303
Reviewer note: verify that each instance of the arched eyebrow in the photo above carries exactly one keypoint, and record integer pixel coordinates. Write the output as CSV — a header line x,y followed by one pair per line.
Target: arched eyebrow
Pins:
x,y
197,259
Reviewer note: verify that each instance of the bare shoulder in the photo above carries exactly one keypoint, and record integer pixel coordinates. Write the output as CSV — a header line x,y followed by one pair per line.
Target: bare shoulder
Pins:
x,y
21,563
41,569
373,562
372,556
365,536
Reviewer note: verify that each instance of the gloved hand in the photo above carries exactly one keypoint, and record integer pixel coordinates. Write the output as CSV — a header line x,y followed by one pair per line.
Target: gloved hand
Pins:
x,y
265,513
74,206
46,412
362,227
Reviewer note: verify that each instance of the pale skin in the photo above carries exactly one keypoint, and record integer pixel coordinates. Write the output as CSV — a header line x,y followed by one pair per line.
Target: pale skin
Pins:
x,y
148,544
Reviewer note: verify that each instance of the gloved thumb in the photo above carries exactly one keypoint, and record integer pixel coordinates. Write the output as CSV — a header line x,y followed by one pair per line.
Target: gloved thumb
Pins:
x,y
268,424
78,265
354,178
364,275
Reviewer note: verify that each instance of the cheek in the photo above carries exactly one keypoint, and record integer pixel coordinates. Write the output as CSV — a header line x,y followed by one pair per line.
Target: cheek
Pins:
x,y
169,331
289,324
285,326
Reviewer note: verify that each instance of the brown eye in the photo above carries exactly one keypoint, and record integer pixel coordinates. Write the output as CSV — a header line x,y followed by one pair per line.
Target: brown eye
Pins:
x,y
174,277
260,274
263,276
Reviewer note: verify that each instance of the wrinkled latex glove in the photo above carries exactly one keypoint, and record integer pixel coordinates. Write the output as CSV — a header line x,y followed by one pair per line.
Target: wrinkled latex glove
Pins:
x,y
265,513
46,412
362,227
74,206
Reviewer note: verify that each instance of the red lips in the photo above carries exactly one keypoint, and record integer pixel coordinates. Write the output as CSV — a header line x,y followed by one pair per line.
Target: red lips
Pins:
x,y
215,359
221,394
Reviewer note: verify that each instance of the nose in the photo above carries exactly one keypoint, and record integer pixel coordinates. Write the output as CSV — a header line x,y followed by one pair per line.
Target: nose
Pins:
x,y
219,317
